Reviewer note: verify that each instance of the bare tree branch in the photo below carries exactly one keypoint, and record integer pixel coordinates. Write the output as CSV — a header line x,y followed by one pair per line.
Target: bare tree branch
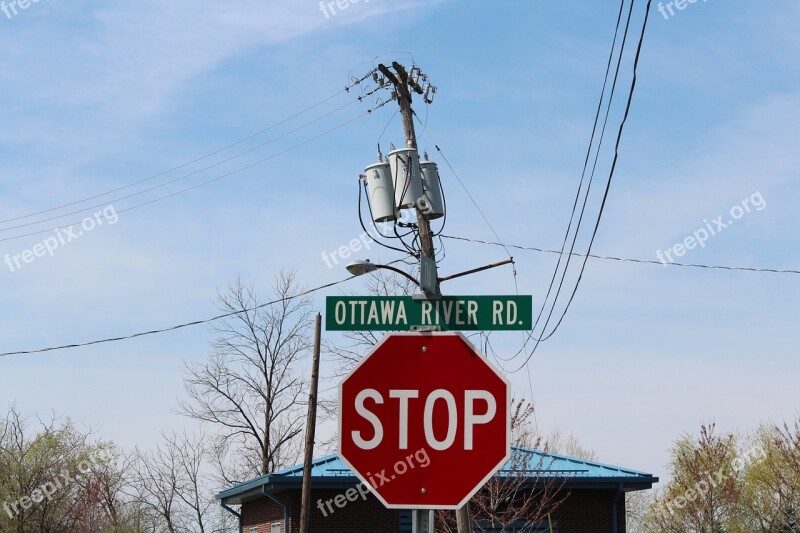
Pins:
x,y
250,389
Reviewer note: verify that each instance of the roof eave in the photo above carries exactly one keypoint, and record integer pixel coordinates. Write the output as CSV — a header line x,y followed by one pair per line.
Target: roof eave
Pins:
x,y
252,490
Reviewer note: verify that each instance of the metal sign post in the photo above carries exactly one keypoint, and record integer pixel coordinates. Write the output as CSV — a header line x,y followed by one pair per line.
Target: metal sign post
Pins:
x,y
422,521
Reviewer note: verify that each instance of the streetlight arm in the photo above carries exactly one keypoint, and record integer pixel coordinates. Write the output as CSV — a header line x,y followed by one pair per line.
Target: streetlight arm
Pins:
x,y
474,270
401,272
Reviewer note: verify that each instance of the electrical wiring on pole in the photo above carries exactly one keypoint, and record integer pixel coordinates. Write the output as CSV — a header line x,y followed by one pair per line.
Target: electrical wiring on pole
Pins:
x,y
463,185
403,192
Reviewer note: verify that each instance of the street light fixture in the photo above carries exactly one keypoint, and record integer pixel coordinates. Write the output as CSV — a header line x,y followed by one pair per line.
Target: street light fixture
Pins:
x,y
359,268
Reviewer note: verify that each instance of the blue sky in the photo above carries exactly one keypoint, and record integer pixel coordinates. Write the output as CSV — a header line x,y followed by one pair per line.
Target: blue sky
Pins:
x,y
100,94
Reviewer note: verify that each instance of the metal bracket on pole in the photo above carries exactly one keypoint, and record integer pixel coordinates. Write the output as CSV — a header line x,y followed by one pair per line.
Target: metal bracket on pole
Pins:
x,y
422,329
422,521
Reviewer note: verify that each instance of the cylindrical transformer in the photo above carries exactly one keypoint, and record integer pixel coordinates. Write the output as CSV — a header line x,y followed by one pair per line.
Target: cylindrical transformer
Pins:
x,y
432,188
381,191
404,164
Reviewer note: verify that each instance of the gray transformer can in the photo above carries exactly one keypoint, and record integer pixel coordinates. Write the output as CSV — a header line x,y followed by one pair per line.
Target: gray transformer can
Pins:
x,y
404,164
432,189
381,191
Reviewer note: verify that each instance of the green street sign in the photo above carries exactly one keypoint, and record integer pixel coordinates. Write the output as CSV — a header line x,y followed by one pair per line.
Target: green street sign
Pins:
x,y
450,313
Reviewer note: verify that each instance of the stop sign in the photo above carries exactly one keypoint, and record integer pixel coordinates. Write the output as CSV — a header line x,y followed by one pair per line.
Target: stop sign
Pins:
x,y
424,420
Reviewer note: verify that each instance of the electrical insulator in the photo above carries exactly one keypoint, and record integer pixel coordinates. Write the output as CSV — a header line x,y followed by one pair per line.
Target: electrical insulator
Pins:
x,y
414,75
430,91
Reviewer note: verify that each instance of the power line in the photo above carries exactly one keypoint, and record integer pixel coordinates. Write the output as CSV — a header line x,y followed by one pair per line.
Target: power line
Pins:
x,y
177,327
583,176
201,158
613,166
184,176
463,186
544,335
561,253
186,324
201,184
626,259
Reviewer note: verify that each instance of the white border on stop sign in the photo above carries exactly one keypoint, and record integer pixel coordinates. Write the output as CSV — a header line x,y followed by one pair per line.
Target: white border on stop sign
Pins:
x,y
491,473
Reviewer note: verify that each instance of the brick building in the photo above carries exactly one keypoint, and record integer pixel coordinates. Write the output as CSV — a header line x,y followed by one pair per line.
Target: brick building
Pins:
x,y
595,498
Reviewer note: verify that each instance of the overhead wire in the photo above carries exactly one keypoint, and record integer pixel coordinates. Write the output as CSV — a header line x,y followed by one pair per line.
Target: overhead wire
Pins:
x,y
184,176
529,335
439,234
463,186
583,173
176,327
188,324
396,111
488,346
183,165
576,232
627,259
425,131
202,184
631,91
611,172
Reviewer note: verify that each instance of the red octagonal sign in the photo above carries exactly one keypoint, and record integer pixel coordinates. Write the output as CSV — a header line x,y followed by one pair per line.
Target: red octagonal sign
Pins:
x,y
424,420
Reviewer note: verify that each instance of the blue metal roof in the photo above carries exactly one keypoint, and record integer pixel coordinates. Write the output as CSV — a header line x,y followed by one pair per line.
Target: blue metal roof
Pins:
x,y
330,470
535,461
554,465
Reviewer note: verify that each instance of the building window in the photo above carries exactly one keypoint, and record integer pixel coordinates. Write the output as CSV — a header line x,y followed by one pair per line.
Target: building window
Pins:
x,y
253,530
276,528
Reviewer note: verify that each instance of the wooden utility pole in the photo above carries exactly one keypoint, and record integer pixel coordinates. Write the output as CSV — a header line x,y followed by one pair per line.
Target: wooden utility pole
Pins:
x,y
463,519
311,424
404,85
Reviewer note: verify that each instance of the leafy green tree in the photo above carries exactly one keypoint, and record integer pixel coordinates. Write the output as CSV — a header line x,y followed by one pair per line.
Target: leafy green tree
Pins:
x,y
771,489
730,484
47,480
703,494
